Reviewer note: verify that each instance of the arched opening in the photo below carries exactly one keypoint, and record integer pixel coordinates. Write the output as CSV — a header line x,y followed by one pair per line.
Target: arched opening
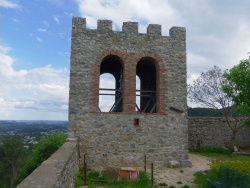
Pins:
x,y
138,94
106,101
113,65
146,71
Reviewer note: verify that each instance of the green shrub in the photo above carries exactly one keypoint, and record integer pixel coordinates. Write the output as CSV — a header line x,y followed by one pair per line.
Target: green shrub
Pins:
x,y
13,157
163,184
47,146
242,166
79,179
200,180
143,181
42,151
95,179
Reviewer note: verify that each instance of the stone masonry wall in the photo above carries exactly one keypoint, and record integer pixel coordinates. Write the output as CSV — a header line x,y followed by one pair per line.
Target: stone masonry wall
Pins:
x,y
214,132
112,139
58,171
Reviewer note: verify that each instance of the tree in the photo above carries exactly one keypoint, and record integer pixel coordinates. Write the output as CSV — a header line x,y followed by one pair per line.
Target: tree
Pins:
x,y
42,151
47,146
207,90
239,87
12,158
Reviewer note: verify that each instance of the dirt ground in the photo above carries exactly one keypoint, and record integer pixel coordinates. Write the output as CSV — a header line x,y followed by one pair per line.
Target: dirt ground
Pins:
x,y
179,177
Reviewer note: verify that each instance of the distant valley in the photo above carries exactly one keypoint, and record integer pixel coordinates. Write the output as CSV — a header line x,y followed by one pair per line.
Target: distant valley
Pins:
x,y
31,131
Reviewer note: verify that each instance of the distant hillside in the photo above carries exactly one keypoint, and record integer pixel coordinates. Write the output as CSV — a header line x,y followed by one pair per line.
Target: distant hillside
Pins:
x,y
203,112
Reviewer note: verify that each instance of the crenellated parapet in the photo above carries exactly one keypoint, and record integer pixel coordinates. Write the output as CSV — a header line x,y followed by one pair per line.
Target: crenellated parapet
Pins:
x,y
128,27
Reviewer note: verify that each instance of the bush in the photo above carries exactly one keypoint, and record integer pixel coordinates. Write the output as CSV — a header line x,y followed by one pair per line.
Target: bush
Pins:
x,y
13,157
95,179
241,166
79,182
47,146
185,186
42,151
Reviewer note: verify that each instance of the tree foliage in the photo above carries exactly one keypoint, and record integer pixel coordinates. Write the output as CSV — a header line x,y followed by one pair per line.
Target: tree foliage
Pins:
x,y
16,162
47,146
42,151
203,112
207,91
13,157
239,87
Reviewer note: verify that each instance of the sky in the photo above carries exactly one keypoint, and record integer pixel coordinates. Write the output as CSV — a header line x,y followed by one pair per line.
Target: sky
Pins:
x,y
35,39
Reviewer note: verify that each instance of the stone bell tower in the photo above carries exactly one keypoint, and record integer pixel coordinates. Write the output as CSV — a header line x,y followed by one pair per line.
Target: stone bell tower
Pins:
x,y
151,119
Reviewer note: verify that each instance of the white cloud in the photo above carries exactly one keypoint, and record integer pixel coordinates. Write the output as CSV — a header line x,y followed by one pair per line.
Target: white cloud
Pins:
x,y
8,74
39,39
120,11
32,93
4,49
42,30
36,37
8,4
217,32
56,19
56,2
16,20
69,14
107,81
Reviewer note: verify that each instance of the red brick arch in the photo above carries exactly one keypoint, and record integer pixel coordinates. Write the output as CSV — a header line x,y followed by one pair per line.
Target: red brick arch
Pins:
x,y
96,75
160,78
129,62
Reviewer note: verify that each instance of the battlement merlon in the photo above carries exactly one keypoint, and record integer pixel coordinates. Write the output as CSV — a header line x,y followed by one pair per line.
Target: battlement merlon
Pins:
x,y
178,32
104,25
130,27
79,23
154,29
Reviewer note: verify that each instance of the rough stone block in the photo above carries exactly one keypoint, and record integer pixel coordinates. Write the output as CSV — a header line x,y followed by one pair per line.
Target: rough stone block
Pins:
x,y
154,29
186,163
104,25
174,164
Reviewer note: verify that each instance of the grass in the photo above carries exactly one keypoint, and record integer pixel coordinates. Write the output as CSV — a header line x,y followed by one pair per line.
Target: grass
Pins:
x,y
220,157
223,157
210,149
95,180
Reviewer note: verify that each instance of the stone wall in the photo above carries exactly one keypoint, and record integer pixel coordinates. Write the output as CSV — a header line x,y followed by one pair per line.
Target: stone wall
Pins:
x,y
214,132
114,141
57,171
122,138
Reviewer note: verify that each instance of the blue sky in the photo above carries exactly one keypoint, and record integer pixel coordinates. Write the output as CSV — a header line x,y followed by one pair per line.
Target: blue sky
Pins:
x,y
35,44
